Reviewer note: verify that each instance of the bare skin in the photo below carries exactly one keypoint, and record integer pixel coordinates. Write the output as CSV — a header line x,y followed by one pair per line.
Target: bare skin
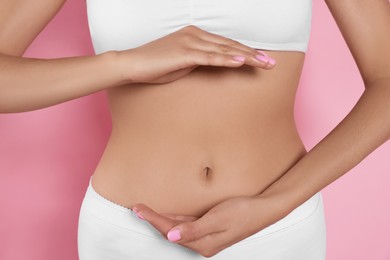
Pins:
x,y
214,134
208,133
365,26
29,83
187,110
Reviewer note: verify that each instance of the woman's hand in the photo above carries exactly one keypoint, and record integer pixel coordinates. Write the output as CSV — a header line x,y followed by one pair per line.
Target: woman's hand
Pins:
x,y
225,224
177,54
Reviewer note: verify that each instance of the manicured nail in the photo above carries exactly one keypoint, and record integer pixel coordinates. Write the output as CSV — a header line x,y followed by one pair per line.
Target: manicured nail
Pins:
x,y
174,235
271,61
262,58
262,53
138,214
239,58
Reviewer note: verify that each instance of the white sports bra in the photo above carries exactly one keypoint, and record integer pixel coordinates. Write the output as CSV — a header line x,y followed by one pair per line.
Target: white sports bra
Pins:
x,y
261,24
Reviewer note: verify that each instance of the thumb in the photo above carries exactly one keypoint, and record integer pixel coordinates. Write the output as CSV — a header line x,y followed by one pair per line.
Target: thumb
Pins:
x,y
191,231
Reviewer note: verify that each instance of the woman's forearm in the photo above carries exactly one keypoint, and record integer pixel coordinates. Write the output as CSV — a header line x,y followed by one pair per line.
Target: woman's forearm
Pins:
x,y
364,129
29,83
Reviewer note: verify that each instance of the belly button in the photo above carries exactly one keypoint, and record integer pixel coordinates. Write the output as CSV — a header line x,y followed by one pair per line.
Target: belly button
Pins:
x,y
207,172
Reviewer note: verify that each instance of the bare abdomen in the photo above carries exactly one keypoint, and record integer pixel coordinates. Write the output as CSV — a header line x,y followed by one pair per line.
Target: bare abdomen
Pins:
x,y
217,133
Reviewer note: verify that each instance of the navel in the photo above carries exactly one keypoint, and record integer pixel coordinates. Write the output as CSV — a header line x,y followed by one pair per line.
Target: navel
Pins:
x,y
207,173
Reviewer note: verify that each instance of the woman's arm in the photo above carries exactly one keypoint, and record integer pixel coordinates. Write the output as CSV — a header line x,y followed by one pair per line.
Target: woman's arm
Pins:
x,y
30,83
365,25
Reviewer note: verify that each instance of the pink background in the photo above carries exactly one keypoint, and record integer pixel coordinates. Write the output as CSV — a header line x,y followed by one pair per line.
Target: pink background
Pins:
x,y
47,156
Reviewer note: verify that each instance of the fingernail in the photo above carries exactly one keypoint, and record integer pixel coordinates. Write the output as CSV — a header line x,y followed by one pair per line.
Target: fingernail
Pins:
x,y
262,53
239,58
174,235
271,61
262,58
138,214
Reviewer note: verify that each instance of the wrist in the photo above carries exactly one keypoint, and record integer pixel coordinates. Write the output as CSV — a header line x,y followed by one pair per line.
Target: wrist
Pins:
x,y
286,194
272,206
122,66
113,61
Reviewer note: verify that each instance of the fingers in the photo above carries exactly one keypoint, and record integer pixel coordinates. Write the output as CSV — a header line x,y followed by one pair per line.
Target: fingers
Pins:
x,y
270,62
161,223
190,228
204,235
216,50
194,230
211,58
180,218
214,58
175,55
214,54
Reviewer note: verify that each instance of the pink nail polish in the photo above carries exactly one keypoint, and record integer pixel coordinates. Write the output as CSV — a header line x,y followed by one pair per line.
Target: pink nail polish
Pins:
x,y
239,58
138,214
262,58
262,53
174,235
271,61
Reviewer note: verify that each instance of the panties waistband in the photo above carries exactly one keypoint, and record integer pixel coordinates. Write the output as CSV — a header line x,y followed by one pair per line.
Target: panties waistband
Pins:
x,y
116,215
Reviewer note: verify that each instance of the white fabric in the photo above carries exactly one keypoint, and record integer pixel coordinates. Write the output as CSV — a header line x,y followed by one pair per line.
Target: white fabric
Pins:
x,y
260,24
108,231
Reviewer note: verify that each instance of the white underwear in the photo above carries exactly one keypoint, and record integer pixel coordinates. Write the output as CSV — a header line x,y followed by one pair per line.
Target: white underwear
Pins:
x,y
108,231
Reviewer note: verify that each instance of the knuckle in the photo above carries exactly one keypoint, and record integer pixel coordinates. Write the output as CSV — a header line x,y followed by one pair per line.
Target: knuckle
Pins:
x,y
187,34
224,48
207,252
193,231
195,247
190,57
207,248
190,28
211,55
185,52
186,38
235,43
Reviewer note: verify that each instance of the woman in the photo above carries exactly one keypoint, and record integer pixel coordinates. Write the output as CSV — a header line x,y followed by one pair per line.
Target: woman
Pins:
x,y
204,125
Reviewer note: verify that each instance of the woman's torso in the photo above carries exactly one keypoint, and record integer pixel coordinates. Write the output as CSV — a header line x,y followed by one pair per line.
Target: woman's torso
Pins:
x,y
216,133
